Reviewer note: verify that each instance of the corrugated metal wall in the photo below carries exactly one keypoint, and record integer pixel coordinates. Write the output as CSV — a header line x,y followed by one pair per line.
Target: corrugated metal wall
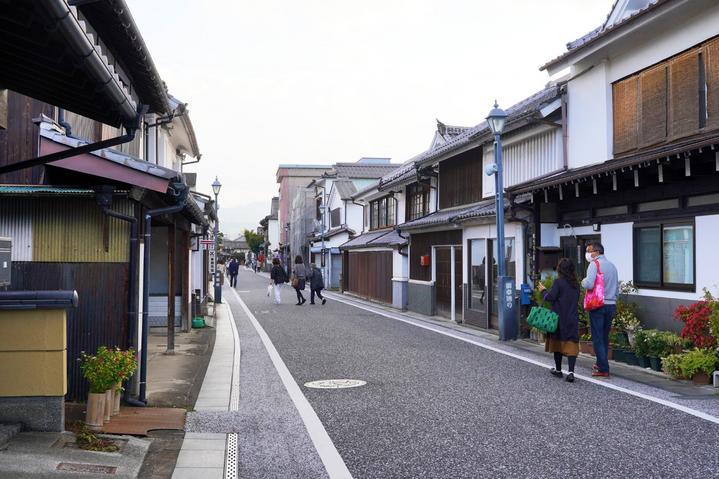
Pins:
x,y
526,159
101,315
72,230
16,223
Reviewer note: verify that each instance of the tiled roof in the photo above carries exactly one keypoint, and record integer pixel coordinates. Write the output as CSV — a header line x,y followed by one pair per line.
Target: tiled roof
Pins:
x,y
375,239
436,218
335,232
345,188
361,170
603,31
38,190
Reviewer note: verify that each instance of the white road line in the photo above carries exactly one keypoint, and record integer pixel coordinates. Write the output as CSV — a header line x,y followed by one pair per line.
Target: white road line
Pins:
x,y
603,383
333,462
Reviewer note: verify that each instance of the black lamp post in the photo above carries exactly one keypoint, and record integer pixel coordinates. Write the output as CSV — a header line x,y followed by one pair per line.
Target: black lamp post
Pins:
x,y
508,324
216,185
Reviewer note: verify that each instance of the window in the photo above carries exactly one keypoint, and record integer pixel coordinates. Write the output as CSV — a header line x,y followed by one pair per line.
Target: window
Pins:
x,y
417,201
664,256
335,217
382,214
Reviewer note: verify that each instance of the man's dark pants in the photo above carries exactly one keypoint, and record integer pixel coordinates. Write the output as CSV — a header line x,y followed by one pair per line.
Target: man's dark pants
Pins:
x,y
600,322
233,280
318,292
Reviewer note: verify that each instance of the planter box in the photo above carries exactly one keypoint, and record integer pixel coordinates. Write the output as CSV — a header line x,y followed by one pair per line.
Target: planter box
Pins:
x,y
586,347
701,379
631,358
620,355
655,363
643,361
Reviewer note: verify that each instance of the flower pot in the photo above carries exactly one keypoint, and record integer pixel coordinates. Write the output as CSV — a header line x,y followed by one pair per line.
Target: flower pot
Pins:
x,y
631,358
701,379
109,403
586,347
630,337
610,353
117,396
643,361
655,363
620,355
95,411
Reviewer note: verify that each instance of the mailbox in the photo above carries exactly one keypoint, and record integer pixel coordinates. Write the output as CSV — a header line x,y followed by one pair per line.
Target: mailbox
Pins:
x,y
5,263
525,294
424,260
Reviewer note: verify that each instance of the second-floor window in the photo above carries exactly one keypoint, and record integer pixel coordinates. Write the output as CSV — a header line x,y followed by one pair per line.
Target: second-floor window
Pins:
x,y
335,217
382,213
417,201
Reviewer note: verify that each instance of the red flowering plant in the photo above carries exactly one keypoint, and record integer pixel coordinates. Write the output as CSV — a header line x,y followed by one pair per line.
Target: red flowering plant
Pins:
x,y
697,319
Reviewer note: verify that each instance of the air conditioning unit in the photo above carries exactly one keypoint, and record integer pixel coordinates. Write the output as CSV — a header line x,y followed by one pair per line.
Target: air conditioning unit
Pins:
x,y
5,261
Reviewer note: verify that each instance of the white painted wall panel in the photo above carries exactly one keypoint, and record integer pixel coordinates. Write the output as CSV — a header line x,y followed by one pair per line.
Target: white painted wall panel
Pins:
x,y
527,158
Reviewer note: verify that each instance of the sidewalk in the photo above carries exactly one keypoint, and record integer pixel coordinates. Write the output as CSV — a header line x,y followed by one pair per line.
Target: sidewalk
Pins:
x,y
203,454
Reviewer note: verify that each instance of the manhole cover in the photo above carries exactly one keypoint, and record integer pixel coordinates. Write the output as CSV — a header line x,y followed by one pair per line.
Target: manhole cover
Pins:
x,y
335,383
92,468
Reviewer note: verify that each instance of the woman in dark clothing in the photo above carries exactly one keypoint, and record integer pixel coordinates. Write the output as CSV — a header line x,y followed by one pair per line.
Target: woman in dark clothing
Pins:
x,y
299,273
317,284
277,278
564,297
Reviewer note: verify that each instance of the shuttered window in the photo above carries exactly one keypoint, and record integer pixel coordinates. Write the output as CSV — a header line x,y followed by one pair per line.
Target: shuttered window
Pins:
x,y
684,94
625,114
711,68
653,106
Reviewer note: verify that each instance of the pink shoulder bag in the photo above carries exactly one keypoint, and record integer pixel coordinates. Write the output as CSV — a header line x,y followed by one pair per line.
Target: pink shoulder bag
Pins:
x,y
594,298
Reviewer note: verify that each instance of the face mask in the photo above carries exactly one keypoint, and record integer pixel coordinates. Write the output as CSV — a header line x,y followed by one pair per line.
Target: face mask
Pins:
x,y
589,257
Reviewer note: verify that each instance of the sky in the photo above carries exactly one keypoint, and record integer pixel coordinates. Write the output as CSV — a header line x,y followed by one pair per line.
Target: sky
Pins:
x,y
325,81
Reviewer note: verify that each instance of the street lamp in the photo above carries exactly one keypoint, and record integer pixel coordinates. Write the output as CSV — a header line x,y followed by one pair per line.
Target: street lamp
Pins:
x,y
508,324
216,185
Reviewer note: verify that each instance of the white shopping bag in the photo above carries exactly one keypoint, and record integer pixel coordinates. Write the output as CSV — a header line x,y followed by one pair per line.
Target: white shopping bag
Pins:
x,y
269,290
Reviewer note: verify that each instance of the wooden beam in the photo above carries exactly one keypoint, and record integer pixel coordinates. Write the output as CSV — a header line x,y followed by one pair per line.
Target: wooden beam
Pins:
x,y
186,252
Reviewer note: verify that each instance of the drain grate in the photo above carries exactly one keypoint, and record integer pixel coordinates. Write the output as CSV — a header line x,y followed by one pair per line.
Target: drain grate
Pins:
x,y
90,468
335,383
231,457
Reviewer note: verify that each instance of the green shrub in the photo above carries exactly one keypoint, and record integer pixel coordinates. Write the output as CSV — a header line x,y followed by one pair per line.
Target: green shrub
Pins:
x,y
658,343
641,343
699,361
672,365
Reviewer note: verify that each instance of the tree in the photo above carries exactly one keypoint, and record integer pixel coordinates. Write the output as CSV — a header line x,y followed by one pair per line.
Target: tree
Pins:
x,y
253,240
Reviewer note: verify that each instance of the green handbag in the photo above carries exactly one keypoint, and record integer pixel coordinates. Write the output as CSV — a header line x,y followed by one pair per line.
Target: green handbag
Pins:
x,y
543,319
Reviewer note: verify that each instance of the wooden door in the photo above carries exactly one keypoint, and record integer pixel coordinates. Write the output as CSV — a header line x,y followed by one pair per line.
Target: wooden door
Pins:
x,y
369,275
443,280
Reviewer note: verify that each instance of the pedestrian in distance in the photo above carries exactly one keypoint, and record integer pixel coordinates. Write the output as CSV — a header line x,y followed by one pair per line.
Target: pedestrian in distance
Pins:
x,y
317,284
233,269
564,298
600,318
277,278
299,276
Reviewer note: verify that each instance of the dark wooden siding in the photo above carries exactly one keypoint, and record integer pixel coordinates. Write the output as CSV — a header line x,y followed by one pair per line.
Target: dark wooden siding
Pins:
x,y
421,244
460,179
101,315
20,140
370,274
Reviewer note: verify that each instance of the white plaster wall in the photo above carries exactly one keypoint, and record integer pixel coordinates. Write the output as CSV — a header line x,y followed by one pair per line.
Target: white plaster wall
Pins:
x,y
400,267
354,218
589,118
549,233
273,234
400,197
511,230
617,240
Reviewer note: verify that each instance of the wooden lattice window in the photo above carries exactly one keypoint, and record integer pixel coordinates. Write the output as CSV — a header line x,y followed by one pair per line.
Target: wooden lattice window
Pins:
x,y
625,95
684,94
653,105
711,76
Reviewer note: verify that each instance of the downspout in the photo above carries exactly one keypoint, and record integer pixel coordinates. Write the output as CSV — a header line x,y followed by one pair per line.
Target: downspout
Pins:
x,y
132,289
565,130
149,214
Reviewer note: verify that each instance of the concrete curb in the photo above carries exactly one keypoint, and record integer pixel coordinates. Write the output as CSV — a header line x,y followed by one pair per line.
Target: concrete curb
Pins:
x,y
204,454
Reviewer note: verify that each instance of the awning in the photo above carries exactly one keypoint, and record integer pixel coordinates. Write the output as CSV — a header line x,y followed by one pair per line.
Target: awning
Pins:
x,y
374,239
106,163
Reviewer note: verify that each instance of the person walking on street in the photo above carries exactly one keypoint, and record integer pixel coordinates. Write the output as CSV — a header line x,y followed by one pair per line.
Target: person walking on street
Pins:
x,y
277,278
564,298
317,284
261,261
233,270
600,319
299,275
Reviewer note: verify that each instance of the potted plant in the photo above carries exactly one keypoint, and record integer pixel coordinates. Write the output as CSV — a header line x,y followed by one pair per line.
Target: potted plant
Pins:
x,y
671,365
697,319
641,347
585,344
620,346
625,318
126,368
699,364
99,373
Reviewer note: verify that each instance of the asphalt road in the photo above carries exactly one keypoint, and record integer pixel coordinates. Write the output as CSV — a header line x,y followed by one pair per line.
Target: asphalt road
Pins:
x,y
437,407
